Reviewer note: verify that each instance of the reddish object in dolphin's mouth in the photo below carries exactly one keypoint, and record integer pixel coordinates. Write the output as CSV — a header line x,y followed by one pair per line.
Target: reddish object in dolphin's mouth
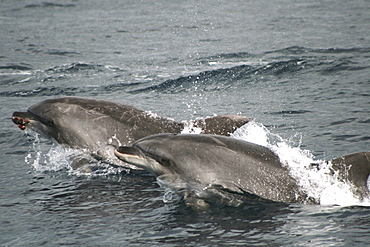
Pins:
x,y
20,122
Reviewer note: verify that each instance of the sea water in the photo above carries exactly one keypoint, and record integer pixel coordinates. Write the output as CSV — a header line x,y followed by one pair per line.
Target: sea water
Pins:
x,y
299,68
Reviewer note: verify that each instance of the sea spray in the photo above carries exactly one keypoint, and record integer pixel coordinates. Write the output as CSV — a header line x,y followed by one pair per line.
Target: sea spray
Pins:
x,y
315,177
54,159
189,128
44,157
40,155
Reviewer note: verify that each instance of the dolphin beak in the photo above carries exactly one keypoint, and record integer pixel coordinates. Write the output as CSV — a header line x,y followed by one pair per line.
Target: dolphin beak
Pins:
x,y
132,155
135,156
129,150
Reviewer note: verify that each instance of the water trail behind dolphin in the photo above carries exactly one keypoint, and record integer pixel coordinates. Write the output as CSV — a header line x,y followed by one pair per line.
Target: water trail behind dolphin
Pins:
x,y
314,176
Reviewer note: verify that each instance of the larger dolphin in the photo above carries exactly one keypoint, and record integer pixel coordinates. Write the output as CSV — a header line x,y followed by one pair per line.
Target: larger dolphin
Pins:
x,y
98,125
218,168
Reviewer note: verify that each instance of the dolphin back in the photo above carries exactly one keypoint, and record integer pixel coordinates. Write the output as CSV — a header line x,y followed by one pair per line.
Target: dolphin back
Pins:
x,y
83,122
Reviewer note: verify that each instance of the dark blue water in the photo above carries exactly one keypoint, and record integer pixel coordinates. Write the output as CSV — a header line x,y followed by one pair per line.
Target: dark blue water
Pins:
x,y
300,68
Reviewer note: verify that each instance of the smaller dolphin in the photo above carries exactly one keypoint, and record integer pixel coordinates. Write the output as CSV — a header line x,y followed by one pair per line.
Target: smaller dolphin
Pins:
x,y
211,168
98,125
217,166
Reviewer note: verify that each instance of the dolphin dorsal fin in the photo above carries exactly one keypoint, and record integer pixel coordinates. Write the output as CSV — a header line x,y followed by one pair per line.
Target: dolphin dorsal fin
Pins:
x,y
356,169
221,125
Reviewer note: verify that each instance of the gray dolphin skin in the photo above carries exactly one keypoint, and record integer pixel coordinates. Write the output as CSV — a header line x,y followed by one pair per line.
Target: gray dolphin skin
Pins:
x,y
215,165
98,125
355,169
207,167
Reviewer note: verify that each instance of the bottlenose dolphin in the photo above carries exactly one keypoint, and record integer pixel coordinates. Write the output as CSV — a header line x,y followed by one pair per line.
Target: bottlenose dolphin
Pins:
x,y
98,125
211,168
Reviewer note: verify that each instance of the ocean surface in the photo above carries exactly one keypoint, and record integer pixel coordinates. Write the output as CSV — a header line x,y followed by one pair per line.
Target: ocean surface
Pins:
x,y
301,69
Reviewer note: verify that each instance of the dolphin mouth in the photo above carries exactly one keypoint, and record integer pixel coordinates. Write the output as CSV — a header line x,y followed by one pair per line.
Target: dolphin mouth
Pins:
x,y
123,152
132,155
21,119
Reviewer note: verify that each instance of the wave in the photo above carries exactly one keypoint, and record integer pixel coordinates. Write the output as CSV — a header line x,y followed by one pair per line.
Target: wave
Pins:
x,y
292,112
68,91
76,67
292,50
293,62
16,67
227,56
304,50
44,91
49,5
211,77
62,53
298,63
57,80
231,76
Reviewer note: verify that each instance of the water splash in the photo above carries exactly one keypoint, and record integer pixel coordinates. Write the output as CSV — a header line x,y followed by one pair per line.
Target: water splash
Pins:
x,y
317,180
38,155
170,196
190,128
55,159
45,158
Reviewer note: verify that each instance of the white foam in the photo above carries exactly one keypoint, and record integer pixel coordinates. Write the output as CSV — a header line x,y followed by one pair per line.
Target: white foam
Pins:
x,y
53,160
44,158
114,138
315,180
189,128
152,114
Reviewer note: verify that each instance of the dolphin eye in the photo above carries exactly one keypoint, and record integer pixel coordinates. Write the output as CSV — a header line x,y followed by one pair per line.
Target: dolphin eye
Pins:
x,y
42,118
48,122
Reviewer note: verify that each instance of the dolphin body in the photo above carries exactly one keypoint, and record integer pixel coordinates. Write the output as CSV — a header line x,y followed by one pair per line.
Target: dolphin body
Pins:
x,y
211,168
98,126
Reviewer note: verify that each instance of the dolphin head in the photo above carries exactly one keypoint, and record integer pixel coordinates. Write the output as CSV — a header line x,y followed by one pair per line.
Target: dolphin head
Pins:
x,y
58,122
26,120
135,156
